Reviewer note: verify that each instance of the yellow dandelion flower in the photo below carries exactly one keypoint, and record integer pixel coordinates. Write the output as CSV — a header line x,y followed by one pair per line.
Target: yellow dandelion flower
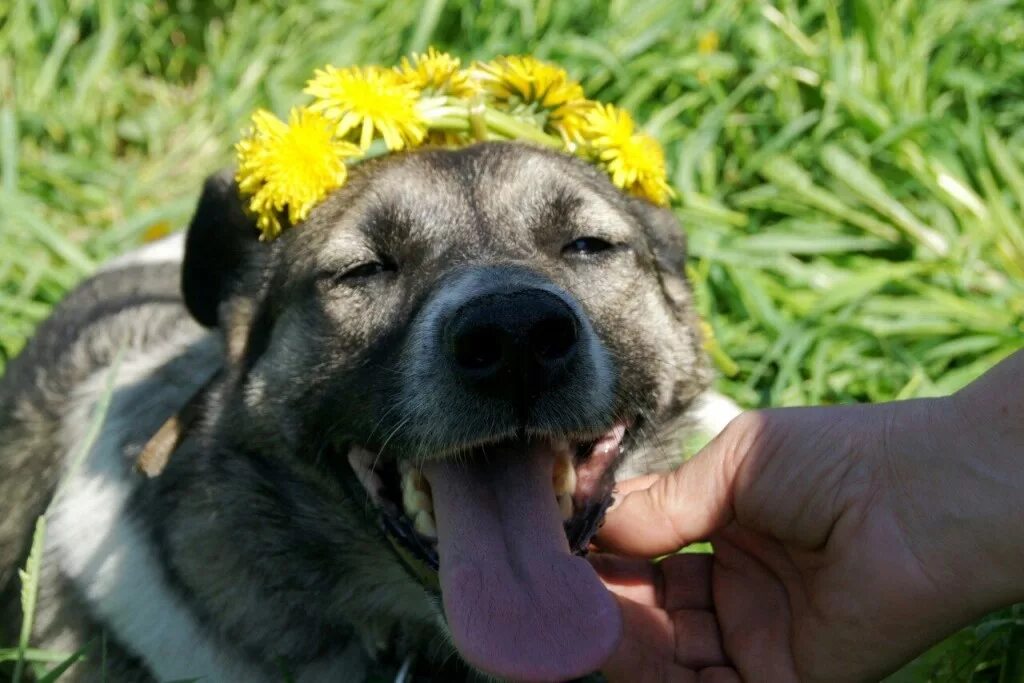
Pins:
x,y
573,124
287,168
436,73
607,126
157,231
707,43
649,160
634,160
525,80
365,99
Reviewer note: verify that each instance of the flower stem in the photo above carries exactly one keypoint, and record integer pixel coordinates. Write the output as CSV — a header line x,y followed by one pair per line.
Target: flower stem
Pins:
x,y
453,115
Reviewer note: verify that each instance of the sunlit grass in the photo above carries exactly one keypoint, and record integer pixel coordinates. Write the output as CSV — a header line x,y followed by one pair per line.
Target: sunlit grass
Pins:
x,y
851,173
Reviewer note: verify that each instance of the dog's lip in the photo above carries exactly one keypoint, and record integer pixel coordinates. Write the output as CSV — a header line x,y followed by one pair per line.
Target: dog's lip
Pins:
x,y
462,449
593,463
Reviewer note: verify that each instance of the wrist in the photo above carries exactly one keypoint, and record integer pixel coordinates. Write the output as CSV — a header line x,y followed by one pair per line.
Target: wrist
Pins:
x,y
959,464
989,431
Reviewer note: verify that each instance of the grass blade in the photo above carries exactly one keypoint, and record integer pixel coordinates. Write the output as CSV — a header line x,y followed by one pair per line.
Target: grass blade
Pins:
x,y
871,190
29,593
56,672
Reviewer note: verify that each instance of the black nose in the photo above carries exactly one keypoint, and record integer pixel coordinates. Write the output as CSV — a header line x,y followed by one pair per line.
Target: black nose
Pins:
x,y
510,341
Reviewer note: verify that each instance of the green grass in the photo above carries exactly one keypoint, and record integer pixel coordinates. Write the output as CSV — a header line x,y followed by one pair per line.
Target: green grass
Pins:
x,y
851,173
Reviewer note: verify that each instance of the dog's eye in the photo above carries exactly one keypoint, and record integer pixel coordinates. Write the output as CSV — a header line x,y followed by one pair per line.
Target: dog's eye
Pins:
x,y
586,246
364,270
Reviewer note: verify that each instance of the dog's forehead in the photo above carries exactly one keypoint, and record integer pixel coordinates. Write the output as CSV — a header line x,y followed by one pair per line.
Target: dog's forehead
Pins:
x,y
511,189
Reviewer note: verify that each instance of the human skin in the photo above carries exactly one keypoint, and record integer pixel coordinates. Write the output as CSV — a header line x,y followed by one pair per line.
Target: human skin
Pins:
x,y
846,539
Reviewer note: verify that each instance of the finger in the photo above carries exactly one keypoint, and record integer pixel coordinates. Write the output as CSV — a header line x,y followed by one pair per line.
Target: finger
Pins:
x,y
634,578
650,627
645,671
719,674
646,653
686,581
698,642
678,507
690,638
678,582
753,613
635,484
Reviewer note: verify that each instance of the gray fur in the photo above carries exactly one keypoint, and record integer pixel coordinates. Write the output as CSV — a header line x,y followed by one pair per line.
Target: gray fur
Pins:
x,y
248,554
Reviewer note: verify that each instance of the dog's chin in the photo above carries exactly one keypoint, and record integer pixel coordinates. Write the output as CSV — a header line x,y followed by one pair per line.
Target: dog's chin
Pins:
x,y
498,528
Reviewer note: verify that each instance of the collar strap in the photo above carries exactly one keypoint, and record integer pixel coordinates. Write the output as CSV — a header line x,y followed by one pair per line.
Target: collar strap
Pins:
x,y
158,450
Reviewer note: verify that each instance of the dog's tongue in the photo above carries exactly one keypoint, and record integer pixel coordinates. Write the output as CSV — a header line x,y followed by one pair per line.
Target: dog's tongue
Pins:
x,y
518,603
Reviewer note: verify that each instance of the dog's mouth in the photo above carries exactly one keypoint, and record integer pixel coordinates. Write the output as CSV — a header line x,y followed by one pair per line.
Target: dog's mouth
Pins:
x,y
581,484
504,527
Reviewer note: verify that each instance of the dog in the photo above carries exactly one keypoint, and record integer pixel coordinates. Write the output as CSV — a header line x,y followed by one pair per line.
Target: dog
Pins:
x,y
391,431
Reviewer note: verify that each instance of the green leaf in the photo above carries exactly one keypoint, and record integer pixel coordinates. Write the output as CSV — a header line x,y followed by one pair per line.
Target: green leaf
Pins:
x,y
56,672
29,577
870,189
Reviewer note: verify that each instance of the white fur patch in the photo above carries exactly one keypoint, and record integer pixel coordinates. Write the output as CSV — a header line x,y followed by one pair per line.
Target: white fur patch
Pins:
x,y
713,411
96,544
170,249
98,547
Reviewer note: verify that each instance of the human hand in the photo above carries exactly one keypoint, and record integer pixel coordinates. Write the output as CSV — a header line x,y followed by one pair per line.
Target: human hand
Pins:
x,y
847,539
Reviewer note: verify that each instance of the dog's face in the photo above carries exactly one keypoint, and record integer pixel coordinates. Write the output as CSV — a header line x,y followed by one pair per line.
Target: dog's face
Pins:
x,y
477,338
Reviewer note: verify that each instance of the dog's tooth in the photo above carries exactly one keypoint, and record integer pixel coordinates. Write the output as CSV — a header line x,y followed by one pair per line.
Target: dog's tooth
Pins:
x,y
565,506
413,478
409,478
570,481
558,474
569,486
415,501
360,458
415,493
425,525
564,479
362,461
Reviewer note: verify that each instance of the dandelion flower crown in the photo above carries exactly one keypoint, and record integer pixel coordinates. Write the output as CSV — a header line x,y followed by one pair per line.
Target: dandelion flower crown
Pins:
x,y
286,169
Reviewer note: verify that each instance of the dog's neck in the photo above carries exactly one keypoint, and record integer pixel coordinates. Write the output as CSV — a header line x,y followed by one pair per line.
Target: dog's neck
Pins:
x,y
237,561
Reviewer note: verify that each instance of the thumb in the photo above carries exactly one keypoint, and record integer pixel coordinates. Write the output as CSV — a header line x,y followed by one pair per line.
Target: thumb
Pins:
x,y
678,507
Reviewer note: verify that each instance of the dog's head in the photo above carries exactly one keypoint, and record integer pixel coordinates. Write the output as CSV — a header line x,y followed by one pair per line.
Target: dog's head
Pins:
x,y
478,338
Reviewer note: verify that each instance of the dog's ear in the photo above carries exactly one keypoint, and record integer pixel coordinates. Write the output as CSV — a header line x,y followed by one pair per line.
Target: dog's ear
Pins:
x,y
665,235
222,243
667,242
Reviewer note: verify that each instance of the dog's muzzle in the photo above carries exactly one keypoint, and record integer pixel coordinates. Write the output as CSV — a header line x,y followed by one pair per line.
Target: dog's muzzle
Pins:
x,y
510,475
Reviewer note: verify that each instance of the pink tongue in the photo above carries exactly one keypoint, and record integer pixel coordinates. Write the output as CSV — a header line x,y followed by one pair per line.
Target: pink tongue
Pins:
x,y
518,603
